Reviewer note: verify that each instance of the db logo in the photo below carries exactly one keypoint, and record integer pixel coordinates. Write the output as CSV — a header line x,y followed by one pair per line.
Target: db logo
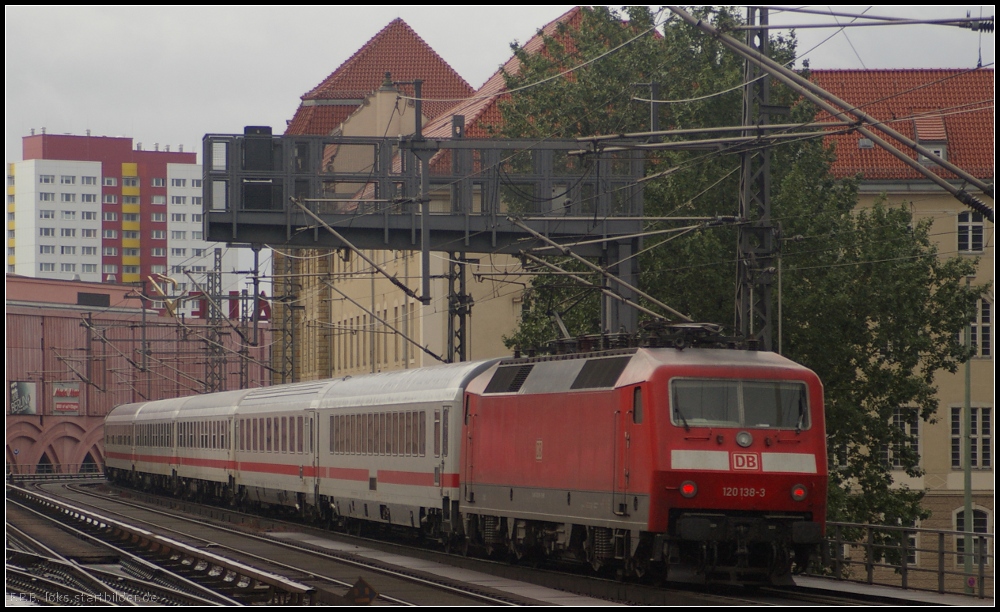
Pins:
x,y
746,461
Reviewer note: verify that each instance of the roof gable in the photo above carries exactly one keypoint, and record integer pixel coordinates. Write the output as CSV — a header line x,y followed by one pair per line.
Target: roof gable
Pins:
x,y
953,107
396,49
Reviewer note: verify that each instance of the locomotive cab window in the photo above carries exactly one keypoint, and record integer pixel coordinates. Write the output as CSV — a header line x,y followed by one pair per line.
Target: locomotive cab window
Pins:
x,y
739,403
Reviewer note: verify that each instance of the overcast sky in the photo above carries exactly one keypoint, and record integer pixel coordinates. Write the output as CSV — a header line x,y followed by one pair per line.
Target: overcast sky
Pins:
x,y
169,75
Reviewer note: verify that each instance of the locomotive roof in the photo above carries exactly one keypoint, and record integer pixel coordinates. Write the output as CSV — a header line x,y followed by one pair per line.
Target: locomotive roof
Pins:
x,y
583,372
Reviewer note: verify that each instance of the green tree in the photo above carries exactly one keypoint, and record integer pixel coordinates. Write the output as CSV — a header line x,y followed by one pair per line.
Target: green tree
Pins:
x,y
867,301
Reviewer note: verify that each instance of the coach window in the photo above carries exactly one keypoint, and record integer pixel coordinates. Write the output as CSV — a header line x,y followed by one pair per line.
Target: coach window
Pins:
x,y
284,434
298,429
223,428
270,434
291,434
637,405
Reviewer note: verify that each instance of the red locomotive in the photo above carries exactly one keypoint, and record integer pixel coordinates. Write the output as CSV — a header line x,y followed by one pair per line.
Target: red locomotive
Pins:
x,y
699,464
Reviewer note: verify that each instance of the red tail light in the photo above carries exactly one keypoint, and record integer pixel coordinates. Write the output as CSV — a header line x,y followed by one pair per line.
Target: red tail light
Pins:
x,y
799,492
689,489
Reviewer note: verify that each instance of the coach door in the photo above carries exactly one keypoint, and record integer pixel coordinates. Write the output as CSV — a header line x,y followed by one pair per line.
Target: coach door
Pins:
x,y
311,449
469,456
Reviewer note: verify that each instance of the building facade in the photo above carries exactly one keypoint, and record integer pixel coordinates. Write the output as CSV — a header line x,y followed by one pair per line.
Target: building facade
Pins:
x,y
950,112
75,350
98,209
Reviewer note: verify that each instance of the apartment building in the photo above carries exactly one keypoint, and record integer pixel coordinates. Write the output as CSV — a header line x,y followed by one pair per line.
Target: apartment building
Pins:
x,y
102,209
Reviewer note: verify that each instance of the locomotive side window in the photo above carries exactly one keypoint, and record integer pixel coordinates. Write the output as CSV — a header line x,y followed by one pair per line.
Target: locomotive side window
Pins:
x,y
637,405
738,403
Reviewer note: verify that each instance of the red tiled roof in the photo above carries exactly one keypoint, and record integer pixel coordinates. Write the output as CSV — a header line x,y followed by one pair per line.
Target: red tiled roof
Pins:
x,y
951,106
396,49
481,109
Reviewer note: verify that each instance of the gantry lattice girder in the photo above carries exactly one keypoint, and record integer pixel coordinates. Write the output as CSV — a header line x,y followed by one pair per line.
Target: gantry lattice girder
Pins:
x,y
370,190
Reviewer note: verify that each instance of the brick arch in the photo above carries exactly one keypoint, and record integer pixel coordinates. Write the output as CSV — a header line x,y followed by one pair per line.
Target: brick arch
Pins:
x,y
65,440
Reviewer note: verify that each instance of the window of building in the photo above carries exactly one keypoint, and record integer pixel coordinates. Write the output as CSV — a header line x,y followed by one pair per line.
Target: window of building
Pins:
x,y
159,182
68,197
130,269
46,267
196,183
178,252
196,200
130,216
159,252
196,235
46,214
158,217
67,232
89,233
159,235
67,180
46,179
177,269
43,231
178,218
130,235
47,249
109,233
130,252
178,200
110,269
198,269
88,268
178,182
199,252
88,198
110,216
88,180
46,197
196,218
130,181
159,199
110,199
130,199
982,443
110,251
970,232
110,181
980,524
88,215
178,235
906,421
67,267
158,269
67,250
68,215
89,250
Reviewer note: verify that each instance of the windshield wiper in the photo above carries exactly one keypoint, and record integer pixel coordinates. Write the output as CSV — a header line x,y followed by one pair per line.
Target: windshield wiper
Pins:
x,y
677,411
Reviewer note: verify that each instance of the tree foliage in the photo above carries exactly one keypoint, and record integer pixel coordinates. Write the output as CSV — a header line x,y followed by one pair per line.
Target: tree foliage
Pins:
x,y
867,301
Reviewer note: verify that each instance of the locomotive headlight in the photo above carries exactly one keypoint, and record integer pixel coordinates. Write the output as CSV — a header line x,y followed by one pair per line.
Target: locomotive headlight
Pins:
x,y
799,492
744,439
688,489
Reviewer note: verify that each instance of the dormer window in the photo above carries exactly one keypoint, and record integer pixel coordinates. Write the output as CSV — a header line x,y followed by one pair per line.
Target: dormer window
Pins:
x,y
928,127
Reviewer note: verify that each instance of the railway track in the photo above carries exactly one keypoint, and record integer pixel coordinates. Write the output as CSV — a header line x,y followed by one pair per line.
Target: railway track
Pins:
x,y
611,590
331,571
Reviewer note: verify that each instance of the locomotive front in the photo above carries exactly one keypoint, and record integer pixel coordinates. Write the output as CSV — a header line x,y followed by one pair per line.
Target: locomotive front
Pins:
x,y
740,476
